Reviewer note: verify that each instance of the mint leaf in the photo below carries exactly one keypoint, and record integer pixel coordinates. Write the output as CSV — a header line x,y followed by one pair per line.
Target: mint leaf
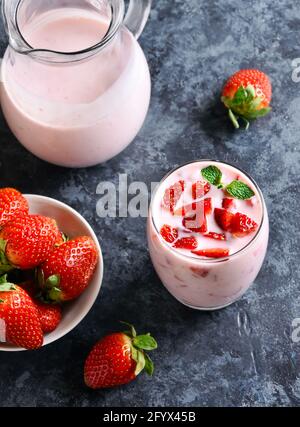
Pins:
x,y
145,342
240,190
212,174
149,366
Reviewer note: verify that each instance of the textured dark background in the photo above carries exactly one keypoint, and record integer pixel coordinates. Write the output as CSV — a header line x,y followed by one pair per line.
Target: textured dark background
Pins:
x,y
242,355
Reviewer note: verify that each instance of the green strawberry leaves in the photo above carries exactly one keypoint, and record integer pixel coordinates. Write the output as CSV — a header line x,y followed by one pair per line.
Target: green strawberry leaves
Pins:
x,y
212,174
236,189
239,190
139,358
132,332
245,105
53,281
140,344
5,286
145,342
149,365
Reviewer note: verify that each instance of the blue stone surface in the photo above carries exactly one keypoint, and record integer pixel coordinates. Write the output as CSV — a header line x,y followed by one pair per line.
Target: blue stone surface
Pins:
x,y
243,355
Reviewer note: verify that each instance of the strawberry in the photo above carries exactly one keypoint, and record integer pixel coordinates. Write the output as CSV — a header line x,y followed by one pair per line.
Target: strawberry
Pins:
x,y
242,225
228,203
172,195
196,223
118,359
223,218
205,205
212,253
68,270
200,189
169,234
12,204
25,242
247,94
216,236
50,316
189,243
20,316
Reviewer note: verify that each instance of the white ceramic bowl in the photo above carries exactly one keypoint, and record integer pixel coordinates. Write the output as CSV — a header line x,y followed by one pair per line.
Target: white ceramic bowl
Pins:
x,y
73,225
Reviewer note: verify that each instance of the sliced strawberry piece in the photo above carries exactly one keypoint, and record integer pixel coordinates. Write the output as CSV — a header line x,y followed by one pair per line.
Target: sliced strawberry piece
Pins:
x,y
172,195
223,218
189,243
185,210
212,253
196,223
228,203
242,225
216,236
170,234
200,189
205,205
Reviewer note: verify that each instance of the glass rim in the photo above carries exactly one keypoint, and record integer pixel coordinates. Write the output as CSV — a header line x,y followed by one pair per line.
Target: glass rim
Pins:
x,y
191,256
117,15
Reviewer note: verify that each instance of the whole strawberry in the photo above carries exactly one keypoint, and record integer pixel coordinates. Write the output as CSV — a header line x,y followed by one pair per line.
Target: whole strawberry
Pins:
x,y
247,95
25,242
118,358
12,204
20,317
68,269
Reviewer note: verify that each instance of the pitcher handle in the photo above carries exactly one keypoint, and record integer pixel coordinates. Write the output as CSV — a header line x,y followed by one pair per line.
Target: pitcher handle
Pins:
x,y
137,16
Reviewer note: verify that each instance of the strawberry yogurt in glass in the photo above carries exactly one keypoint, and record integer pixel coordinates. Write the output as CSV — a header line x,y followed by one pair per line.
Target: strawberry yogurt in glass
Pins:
x,y
208,233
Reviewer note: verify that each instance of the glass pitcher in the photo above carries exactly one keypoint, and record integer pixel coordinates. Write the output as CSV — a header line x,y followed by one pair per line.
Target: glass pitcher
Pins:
x,y
75,83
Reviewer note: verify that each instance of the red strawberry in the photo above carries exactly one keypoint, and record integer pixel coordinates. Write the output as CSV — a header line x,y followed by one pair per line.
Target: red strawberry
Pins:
x,y
205,205
216,236
228,203
223,218
118,358
69,269
200,189
172,195
49,315
20,316
26,242
247,95
212,253
196,223
169,234
12,204
186,243
242,225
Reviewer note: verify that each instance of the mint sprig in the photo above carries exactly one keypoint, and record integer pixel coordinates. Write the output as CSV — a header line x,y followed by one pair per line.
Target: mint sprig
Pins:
x,y
212,174
240,190
236,189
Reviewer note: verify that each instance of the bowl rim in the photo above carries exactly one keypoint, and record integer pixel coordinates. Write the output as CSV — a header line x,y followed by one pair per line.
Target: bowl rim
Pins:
x,y
49,339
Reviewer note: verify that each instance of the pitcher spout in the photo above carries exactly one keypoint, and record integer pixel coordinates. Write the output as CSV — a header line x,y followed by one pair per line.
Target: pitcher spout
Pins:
x,y
9,10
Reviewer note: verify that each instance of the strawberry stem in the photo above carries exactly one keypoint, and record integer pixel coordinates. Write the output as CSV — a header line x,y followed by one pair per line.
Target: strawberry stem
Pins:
x,y
234,119
54,294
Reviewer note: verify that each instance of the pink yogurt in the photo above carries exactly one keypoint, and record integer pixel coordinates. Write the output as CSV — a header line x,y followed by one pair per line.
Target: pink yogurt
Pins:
x,y
197,281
